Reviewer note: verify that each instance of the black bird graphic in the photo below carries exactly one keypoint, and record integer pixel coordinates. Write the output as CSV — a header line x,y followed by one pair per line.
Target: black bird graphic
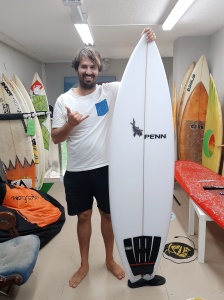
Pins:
x,y
136,130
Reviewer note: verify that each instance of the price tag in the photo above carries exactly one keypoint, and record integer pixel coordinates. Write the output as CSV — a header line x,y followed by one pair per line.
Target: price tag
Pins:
x,y
30,127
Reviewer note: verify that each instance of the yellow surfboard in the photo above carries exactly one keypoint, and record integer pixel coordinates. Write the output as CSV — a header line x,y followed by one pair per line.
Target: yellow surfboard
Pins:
x,y
213,133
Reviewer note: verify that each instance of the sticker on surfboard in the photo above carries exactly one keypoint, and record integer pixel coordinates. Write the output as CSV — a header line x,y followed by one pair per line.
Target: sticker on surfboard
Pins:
x,y
40,104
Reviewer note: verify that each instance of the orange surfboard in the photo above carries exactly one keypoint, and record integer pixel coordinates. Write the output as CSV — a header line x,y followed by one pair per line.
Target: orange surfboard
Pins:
x,y
193,116
192,125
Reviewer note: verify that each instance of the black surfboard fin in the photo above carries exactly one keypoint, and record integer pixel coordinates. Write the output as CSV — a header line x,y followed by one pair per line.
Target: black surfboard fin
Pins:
x,y
156,281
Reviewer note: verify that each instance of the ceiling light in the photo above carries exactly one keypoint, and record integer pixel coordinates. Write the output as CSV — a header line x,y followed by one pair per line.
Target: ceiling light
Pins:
x,y
72,2
85,34
176,13
80,21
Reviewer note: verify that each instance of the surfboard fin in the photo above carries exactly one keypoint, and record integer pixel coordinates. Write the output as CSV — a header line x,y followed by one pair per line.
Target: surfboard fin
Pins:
x,y
157,280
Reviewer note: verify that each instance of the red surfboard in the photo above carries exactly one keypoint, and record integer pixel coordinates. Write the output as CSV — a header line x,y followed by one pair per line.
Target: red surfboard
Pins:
x,y
204,187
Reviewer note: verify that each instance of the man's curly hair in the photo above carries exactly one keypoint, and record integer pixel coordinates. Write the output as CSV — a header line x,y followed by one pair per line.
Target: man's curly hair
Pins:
x,y
90,53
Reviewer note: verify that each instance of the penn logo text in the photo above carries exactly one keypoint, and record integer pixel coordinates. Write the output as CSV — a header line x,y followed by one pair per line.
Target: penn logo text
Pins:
x,y
139,132
190,83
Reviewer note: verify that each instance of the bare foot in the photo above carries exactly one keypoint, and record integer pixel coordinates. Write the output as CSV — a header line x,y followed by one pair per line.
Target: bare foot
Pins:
x,y
78,276
115,269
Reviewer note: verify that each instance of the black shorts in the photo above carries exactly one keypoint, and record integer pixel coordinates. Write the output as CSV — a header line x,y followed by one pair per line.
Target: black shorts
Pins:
x,y
81,187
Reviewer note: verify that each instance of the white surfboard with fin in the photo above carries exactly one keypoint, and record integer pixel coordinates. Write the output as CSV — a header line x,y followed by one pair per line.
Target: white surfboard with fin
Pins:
x,y
38,134
141,168
40,102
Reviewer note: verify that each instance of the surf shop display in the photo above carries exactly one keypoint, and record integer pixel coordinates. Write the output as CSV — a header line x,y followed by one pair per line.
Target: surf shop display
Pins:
x,y
37,135
16,151
199,119
21,141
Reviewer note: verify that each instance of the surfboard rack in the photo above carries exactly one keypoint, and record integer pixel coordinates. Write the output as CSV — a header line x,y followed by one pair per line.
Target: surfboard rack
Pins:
x,y
21,116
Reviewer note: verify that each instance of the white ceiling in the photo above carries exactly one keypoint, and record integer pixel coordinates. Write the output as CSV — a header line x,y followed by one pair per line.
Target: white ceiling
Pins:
x,y
44,30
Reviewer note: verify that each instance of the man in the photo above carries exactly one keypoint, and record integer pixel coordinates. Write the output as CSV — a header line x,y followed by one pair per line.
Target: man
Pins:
x,y
82,116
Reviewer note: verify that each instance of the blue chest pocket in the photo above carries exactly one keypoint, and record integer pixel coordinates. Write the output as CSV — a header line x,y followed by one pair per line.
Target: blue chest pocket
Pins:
x,y
102,107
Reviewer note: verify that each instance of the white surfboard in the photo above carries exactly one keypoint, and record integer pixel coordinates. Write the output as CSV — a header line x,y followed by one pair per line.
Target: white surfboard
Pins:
x,y
25,109
18,156
40,102
38,135
141,168
17,93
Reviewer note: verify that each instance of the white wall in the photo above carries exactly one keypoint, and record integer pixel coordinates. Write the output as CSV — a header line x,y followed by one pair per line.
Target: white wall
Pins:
x,y
52,75
186,50
189,49
168,65
55,74
15,62
216,59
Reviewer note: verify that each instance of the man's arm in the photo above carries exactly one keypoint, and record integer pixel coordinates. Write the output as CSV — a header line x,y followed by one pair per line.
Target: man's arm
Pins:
x,y
59,135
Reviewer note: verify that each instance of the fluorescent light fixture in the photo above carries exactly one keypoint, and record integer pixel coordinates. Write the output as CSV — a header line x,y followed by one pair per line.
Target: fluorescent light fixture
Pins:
x,y
179,9
72,2
85,34
80,21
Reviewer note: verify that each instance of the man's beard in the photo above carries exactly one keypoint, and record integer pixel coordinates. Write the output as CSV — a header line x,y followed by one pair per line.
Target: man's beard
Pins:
x,y
85,85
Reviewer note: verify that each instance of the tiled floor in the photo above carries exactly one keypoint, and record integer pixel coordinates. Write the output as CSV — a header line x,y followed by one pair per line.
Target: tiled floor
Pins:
x,y
58,260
